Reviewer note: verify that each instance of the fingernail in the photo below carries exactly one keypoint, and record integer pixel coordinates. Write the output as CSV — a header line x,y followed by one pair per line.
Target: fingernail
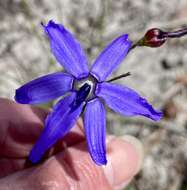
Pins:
x,y
125,157
109,138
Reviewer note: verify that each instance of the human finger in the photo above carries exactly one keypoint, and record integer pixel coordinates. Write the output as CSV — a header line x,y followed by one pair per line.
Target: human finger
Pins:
x,y
20,127
74,169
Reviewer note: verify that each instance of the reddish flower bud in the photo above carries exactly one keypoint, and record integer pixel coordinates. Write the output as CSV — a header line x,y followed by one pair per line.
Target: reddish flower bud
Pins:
x,y
153,38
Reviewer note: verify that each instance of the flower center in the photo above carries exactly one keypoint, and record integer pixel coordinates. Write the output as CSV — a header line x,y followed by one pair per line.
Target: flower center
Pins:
x,y
85,86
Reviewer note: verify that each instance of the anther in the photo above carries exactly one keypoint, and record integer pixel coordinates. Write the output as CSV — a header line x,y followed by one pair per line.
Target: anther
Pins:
x,y
81,96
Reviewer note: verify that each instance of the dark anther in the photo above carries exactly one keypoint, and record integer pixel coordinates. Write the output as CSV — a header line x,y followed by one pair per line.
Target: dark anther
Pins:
x,y
81,96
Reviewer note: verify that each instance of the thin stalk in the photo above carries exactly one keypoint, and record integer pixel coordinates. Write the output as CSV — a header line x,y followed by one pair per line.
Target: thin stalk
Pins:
x,y
119,77
176,34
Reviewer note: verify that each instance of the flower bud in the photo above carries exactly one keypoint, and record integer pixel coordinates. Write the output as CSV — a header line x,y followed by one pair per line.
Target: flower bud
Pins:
x,y
153,38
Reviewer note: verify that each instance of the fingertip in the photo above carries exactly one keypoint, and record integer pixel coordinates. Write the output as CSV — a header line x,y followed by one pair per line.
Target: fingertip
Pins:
x,y
138,146
125,156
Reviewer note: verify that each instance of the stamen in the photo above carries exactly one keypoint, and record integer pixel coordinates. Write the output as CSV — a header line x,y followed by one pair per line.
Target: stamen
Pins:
x,y
119,77
81,96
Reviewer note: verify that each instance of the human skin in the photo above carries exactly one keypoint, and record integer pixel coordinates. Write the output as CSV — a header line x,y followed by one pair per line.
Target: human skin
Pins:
x,y
65,166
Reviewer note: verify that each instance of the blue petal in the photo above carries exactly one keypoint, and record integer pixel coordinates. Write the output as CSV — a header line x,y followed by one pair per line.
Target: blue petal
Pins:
x,y
57,124
95,126
110,58
67,50
44,88
126,101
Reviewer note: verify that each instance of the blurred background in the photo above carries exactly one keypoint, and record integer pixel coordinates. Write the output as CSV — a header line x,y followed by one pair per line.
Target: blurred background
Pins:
x,y
160,74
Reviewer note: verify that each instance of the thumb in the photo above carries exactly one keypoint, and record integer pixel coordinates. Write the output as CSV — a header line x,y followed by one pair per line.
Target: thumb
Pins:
x,y
125,158
74,169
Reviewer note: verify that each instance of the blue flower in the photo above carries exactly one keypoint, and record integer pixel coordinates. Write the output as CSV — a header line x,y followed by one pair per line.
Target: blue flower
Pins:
x,y
82,88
